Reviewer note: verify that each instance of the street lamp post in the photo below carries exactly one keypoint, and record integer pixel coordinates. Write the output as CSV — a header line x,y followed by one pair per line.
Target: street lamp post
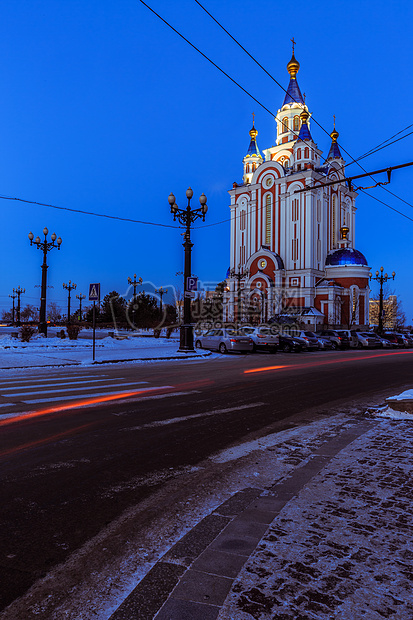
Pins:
x,y
187,217
381,279
135,282
19,291
45,246
80,297
13,298
161,292
69,287
239,275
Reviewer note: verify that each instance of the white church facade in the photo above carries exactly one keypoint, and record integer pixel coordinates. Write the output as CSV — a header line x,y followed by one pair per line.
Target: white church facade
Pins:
x,y
293,251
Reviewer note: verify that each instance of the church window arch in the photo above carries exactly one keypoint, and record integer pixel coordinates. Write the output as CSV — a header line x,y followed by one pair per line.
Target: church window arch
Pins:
x,y
285,124
268,205
298,153
296,123
306,152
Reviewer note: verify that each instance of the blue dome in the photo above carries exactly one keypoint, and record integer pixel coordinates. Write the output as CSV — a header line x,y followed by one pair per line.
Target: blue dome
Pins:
x,y
346,256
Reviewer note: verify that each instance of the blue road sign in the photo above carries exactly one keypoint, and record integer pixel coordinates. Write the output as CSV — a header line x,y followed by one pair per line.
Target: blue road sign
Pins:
x,y
191,284
94,291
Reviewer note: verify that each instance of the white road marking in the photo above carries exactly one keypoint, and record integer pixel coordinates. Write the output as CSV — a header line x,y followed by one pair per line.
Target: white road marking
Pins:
x,y
19,382
81,396
76,389
7,404
193,417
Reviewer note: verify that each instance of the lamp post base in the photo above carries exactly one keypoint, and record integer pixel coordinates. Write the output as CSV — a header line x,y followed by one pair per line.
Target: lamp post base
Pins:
x,y
186,339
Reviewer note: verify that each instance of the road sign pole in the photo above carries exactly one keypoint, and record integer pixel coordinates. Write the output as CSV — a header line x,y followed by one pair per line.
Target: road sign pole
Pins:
x,y
94,328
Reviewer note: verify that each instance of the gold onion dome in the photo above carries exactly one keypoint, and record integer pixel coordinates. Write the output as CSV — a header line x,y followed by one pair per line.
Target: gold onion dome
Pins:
x,y
293,66
334,135
253,133
304,116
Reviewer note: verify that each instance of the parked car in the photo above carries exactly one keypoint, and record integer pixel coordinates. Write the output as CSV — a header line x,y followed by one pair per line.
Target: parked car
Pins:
x,y
395,339
310,339
325,343
290,344
386,344
405,338
339,339
264,337
367,340
225,340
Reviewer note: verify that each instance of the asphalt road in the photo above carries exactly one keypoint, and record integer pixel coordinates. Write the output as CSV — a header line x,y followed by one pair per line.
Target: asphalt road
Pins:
x,y
70,470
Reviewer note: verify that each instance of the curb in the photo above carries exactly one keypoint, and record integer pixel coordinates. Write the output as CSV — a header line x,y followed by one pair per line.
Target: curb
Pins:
x,y
193,578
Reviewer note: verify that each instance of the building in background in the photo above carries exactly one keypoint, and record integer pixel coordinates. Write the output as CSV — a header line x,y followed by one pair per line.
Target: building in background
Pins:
x,y
293,251
390,312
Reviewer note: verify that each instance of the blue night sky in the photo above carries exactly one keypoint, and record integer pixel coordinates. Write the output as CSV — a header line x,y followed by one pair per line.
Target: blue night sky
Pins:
x,y
103,108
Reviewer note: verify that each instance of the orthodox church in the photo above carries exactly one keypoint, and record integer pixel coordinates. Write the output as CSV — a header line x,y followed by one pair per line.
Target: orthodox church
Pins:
x,y
292,248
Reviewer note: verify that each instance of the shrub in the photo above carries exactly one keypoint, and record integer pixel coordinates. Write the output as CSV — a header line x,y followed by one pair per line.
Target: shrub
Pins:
x,y
27,332
156,332
61,334
169,331
73,331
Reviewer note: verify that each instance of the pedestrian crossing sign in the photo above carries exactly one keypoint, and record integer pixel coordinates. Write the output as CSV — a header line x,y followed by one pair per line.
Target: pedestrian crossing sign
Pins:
x,y
94,292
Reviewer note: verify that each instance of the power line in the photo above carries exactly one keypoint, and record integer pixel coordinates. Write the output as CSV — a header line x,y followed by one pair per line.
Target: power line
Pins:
x,y
353,160
111,217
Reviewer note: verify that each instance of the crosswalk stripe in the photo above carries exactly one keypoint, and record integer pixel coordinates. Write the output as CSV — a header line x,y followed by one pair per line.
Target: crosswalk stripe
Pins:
x,y
21,381
72,397
76,389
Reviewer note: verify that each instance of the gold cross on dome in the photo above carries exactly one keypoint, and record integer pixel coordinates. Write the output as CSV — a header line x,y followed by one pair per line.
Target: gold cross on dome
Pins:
x,y
253,118
334,117
294,43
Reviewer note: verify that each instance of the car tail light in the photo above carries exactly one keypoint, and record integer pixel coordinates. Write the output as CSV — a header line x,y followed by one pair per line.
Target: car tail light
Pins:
x,y
233,340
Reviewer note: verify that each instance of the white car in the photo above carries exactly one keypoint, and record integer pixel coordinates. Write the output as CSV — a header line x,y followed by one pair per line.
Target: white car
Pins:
x,y
225,340
264,337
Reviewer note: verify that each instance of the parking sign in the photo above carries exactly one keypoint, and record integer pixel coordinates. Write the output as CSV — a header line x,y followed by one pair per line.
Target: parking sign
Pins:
x,y
191,284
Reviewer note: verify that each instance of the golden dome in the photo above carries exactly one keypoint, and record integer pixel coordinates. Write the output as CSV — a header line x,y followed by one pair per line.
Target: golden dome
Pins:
x,y
334,135
293,66
253,133
304,116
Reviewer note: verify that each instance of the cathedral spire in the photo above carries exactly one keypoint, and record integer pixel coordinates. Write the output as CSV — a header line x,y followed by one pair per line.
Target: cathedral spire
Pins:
x,y
253,147
253,158
334,152
293,94
304,134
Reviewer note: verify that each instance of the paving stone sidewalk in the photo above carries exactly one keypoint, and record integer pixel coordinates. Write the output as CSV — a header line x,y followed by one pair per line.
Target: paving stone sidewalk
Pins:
x,y
331,540
342,549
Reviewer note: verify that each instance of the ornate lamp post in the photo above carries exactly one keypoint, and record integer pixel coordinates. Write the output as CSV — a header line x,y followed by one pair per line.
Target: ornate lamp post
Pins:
x,y
239,275
80,297
45,246
135,282
19,291
382,279
161,292
187,217
69,287
13,298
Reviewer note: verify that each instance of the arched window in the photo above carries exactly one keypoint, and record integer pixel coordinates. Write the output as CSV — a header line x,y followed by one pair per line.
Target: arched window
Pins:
x,y
254,167
298,153
296,123
247,169
268,219
306,153
285,124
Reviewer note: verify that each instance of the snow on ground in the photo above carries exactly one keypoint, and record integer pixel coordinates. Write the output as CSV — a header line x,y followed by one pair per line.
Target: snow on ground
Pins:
x,y
54,351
